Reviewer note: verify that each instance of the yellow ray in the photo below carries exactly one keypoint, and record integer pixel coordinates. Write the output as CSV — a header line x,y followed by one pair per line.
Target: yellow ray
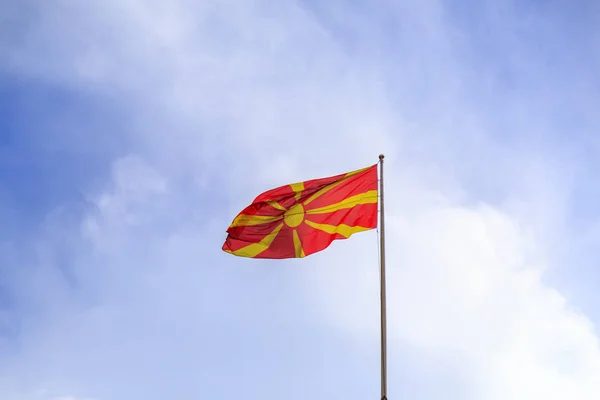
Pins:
x,y
358,171
369,197
276,205
298,245
254,249
344,230
333,185
250,220
298,188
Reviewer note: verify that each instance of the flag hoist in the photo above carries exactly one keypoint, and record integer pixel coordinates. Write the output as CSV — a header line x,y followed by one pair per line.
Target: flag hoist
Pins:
x,y
300,219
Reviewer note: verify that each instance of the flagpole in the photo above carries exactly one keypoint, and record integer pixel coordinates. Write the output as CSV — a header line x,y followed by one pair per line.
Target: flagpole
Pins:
x,y
382,286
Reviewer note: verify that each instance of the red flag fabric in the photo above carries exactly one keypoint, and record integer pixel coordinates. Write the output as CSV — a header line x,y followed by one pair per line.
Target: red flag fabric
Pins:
x,y
300,219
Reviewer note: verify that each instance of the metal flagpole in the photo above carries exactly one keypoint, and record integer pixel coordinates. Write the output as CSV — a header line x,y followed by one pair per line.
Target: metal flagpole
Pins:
x,y
382,286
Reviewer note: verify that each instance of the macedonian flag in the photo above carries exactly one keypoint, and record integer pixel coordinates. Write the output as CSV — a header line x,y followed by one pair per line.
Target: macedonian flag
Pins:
x,y
303,218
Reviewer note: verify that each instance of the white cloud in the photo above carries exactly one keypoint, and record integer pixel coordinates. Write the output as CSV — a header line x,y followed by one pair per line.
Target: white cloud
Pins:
x,y
234,98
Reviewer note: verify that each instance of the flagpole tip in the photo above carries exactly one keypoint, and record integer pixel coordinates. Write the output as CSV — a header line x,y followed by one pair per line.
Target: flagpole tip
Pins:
x,y
381,156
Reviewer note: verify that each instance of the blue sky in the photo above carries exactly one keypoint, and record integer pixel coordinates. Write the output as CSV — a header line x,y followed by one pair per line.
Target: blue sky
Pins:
x,y
133,131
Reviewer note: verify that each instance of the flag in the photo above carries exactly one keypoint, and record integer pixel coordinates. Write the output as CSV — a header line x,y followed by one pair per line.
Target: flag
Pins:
x,y
303,218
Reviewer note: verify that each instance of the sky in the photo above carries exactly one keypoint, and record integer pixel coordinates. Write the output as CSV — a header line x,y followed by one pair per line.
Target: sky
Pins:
x,y
133,131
